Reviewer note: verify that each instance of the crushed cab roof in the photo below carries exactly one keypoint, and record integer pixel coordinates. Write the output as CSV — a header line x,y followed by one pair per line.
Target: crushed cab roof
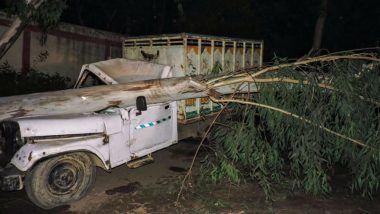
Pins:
x,y
122,70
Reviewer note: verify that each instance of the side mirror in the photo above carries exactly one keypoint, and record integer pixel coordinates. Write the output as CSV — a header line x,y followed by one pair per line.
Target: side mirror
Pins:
x,y
141,104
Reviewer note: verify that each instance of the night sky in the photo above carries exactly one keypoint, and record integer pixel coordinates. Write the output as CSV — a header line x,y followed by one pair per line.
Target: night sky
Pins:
x,y
286,26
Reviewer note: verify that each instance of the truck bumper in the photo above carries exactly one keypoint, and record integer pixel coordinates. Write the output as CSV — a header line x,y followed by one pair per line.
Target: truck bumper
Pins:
x,y
11,179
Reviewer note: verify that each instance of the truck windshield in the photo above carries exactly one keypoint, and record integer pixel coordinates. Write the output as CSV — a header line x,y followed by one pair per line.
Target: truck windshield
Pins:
x,y
90,80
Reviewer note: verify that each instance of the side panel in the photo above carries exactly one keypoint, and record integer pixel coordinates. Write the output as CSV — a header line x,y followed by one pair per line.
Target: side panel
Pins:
x,y
119,141
192,68
228,57
119,147
206,67
218,58
248,54
239,57
193,54
167,55
257,54
206,53
60,125
218,66
173,55
152,128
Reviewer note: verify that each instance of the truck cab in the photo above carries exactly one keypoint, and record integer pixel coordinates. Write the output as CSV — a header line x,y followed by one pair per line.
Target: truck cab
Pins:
x,y
55,157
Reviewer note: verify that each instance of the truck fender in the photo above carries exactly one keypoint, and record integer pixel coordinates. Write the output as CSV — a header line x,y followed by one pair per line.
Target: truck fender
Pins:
x,y
30,154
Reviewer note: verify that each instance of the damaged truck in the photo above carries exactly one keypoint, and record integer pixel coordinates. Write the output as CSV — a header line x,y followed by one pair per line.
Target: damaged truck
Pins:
x,y
55,157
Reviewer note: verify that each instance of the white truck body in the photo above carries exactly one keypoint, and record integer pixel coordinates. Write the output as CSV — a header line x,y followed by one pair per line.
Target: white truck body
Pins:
x,y
115,135
70,146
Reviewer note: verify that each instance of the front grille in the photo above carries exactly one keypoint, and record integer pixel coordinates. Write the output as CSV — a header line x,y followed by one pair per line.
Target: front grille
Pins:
x,y
10,141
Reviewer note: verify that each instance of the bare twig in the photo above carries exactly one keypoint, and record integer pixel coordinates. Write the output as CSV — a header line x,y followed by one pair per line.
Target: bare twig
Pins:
x,y
355,50
198,148
196,154
306,82
250,79
315,59
325,58
293,81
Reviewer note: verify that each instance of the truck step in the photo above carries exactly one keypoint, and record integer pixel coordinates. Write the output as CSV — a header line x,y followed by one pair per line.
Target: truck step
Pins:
x,y
135,163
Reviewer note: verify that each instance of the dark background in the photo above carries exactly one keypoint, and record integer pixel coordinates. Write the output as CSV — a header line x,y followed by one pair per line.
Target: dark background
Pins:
x,y
286,26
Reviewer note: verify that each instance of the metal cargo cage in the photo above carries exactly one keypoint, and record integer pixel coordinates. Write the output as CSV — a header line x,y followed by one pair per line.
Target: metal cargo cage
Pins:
x,y
193,54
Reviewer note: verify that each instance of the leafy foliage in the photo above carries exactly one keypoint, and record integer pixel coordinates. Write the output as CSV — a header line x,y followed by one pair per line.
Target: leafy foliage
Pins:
x,y
15,83
46,16
269,146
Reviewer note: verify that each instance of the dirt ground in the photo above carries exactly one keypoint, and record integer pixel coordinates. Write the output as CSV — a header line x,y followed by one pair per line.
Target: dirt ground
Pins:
x,y
153,189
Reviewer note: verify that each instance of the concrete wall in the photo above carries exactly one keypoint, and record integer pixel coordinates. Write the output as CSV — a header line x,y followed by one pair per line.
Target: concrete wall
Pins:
x,y
67,48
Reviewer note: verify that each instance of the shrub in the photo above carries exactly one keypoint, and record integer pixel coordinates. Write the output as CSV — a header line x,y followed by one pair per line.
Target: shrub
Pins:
x,y
15,83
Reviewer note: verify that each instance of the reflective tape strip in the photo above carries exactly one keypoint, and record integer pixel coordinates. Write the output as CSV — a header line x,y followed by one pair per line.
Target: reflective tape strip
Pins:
x,y
151,124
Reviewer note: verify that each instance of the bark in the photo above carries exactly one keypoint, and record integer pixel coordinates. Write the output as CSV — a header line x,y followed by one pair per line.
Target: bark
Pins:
x,y
10,36
86,100
319,27
100,97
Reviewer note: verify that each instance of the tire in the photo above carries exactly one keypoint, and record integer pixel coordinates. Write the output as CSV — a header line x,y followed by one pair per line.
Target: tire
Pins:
x,y
60,180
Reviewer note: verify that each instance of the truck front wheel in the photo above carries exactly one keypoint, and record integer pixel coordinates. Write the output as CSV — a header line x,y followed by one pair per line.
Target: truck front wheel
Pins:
x,y
60,180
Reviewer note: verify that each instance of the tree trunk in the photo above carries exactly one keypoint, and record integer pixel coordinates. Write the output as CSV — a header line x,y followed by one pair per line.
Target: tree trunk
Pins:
x,y
86,100
10,36
100,97
319,26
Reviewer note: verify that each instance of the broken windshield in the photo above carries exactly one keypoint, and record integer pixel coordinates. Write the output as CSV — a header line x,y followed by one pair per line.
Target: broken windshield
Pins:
x,y
89,79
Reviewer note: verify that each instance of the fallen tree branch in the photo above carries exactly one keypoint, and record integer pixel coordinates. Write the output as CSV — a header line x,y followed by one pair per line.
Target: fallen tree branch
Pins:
x,y
270,80
87,100
289,114
326,58
306,82
316,59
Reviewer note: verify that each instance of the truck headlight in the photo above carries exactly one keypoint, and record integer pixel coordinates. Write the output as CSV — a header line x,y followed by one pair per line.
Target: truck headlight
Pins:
x,y
18,139
10,140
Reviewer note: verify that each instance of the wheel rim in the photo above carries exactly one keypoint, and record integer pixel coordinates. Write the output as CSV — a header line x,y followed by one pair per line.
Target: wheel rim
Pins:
x,y
64,178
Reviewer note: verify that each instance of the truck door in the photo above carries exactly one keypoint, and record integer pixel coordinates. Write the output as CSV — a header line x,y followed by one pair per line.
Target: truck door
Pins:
x,y
153,129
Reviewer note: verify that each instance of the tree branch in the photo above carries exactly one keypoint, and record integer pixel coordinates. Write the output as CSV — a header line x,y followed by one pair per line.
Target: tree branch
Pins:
x,y
221,81
289,114
9,37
